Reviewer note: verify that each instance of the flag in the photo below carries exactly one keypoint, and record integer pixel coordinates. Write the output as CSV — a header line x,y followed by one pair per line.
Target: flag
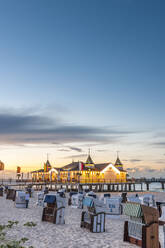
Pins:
x,y
81,165
18,169
2,165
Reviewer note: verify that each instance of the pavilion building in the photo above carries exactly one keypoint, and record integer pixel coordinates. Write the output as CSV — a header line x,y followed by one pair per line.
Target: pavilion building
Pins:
x,y
87,172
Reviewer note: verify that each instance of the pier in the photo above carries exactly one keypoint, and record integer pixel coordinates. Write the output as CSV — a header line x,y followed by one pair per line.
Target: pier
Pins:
x,y
137,185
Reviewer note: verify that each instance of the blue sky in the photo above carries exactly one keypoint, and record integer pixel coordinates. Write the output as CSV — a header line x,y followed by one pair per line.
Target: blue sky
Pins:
x,y
86,65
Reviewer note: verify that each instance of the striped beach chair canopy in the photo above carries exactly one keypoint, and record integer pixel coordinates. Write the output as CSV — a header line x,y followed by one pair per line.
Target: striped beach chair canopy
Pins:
x,y
133,210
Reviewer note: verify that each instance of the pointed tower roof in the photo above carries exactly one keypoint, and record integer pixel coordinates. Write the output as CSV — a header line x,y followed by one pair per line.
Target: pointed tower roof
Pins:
x,y
118,162
48,163
89,160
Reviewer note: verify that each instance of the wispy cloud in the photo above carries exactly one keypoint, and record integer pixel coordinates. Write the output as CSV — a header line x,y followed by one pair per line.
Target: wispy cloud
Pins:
x,y
77,156
159,144
25,128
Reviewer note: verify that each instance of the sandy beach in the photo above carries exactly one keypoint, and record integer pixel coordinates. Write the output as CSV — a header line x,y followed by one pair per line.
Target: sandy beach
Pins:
x,y
47,235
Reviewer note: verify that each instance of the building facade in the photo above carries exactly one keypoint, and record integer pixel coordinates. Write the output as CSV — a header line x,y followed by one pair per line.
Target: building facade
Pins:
x,y
80,172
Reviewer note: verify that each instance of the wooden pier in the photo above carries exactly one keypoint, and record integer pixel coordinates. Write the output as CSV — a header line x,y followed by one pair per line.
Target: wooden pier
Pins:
x,y
136,186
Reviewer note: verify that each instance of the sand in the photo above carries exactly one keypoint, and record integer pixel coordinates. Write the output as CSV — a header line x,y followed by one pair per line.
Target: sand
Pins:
x,y
70,235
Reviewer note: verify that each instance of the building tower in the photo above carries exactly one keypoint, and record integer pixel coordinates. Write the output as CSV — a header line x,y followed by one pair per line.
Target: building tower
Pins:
x,y
118,163
89,162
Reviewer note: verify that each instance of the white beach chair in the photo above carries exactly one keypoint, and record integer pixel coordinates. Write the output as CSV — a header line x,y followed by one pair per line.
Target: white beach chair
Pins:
x,y
149,200
55,210
113,205
20,201
77,200
94,218
40,198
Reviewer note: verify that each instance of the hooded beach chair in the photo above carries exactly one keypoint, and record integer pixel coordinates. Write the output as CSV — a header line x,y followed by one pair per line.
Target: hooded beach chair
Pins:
x,y
113,205
1,191
143,228
70,197
77,200
149,200
55,209
11,194
94,218
20,201
40,198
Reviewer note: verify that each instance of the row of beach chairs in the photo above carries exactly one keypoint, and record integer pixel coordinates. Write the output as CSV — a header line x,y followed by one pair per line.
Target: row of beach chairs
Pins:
x,y
141,229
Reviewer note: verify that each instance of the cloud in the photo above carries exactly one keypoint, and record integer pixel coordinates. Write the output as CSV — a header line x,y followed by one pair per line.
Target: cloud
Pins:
x,y
77,156
63,150
75,149
132,160
159,144
101,150
135,160
25,128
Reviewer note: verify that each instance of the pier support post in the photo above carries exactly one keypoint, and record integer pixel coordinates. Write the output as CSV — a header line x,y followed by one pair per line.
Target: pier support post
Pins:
x,y
129,186
148,188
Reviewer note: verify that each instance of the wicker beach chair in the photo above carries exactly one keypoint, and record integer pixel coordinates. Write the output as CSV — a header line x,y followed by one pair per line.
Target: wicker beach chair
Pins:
x,y
149,200
77,200
40,198
11,194
113,205
143,228
70,197
1,191
55,209
94,218
20,201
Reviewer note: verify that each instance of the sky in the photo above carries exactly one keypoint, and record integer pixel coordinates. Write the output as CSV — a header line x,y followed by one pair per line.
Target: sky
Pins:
x,y
84,74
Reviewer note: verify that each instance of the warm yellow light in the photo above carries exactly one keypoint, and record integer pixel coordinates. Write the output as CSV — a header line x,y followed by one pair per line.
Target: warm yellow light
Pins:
x,y
111,166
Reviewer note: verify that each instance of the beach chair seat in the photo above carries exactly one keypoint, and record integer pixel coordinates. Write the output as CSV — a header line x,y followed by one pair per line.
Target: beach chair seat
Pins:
x,y
94,218
142,228
55,210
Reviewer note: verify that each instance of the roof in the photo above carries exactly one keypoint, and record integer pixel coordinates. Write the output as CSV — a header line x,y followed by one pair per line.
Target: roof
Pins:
x,y
72,166
42,170
48,163
118,162
89,160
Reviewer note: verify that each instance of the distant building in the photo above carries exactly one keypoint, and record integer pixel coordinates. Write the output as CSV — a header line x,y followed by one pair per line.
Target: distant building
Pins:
x,y
2,166
82,172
